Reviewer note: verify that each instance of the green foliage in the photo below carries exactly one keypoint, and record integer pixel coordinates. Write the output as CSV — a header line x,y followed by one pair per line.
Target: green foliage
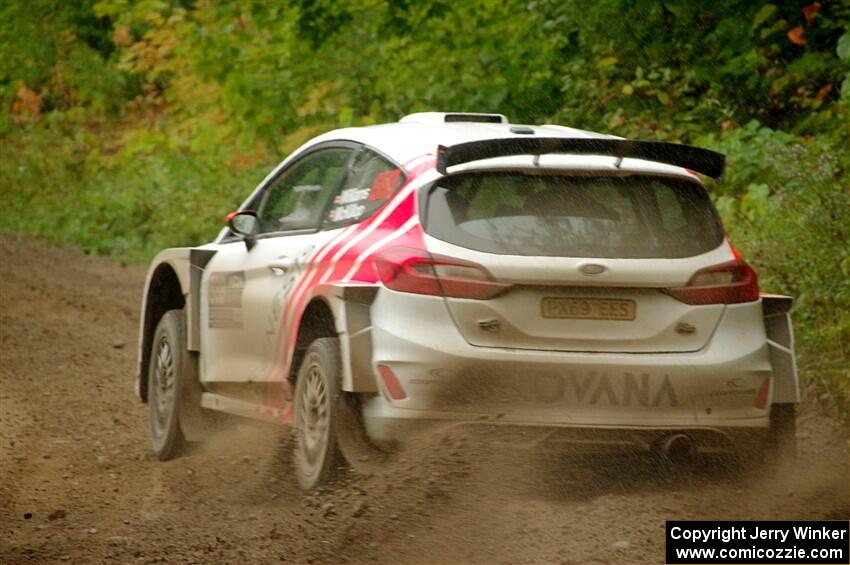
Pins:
x,y
132,125
58,50
129,207
786,205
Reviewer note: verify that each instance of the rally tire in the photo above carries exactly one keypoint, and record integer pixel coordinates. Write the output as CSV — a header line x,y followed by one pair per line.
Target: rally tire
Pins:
x,y
167,372
316,453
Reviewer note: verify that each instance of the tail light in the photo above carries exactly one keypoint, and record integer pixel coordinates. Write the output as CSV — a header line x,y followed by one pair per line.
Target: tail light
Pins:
x,y
726,283
414,270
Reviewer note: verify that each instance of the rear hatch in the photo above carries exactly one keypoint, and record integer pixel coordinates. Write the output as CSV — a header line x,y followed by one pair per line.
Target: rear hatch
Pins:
x,y
583,259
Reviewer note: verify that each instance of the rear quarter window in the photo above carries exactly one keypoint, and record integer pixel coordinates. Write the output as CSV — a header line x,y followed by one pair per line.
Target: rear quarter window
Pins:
x,y
369,182
517,213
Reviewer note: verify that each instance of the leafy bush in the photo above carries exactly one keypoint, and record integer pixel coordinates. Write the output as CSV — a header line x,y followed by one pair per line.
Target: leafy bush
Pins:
x,y
786,205
130,206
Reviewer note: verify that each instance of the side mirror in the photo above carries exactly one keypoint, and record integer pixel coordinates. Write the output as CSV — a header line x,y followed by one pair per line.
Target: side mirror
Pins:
x,y
244,224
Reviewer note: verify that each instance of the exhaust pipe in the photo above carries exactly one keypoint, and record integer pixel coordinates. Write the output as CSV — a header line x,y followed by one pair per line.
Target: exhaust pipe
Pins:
x,y
674,447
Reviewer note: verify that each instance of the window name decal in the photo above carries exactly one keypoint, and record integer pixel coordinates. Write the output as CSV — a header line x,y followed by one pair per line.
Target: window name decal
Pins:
x,y
350,195
346,212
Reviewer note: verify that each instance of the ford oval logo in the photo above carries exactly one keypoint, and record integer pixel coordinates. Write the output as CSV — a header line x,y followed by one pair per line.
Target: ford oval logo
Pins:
x,y
592,269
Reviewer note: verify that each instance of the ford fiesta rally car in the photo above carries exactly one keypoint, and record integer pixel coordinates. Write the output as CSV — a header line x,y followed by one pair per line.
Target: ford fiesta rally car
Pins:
x,y
455,268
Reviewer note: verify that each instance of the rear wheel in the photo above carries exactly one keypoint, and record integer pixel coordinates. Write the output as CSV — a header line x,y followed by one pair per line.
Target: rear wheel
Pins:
x,y
317,455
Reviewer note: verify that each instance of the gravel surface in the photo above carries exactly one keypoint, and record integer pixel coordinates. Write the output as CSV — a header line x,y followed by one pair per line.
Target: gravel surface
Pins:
x,y
79,484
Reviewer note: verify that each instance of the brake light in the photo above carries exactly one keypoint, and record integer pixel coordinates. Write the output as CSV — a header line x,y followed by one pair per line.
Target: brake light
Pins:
x,y
726,283
414,270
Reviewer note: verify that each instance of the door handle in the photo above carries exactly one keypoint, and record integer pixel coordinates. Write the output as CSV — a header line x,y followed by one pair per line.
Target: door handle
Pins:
x,y
280,265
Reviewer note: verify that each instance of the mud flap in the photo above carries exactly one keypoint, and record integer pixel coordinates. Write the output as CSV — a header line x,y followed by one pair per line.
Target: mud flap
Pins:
x,y
353,441
355,336
198,259
780,339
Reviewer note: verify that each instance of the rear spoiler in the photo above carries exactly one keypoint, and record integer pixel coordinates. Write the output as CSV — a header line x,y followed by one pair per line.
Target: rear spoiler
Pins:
x,y
700,160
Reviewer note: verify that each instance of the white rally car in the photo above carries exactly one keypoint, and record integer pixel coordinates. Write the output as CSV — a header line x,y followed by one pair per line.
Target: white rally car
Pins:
x,y
457,269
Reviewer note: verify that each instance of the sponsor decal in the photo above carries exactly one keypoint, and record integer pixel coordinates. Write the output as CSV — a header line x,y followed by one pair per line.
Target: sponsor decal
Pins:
x,y
225,299
573,389
350,195
735,387
346,212
225,318
384,185
600,389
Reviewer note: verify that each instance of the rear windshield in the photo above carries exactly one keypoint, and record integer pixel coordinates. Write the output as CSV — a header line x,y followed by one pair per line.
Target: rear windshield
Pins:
x,y
516,213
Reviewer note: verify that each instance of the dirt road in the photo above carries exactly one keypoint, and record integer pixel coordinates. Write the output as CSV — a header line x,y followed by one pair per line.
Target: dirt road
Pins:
x,y
78,483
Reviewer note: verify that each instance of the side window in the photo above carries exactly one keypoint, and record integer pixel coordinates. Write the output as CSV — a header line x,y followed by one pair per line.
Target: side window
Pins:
x,y
295,199
370,182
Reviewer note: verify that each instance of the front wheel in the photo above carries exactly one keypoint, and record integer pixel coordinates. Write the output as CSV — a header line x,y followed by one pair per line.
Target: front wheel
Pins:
x,y
168,365
317,455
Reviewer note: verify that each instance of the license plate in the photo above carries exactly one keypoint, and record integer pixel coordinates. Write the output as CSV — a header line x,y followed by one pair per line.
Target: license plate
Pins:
x,y
589,308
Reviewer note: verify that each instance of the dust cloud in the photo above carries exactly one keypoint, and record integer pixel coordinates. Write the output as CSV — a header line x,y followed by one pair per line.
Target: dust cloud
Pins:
x,y
79,484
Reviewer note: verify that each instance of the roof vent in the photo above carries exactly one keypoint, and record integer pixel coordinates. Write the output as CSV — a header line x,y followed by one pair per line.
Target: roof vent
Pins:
x,y
448,117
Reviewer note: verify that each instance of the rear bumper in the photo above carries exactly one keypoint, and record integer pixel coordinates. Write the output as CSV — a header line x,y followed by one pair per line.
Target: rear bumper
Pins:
x,y
396,430
448,382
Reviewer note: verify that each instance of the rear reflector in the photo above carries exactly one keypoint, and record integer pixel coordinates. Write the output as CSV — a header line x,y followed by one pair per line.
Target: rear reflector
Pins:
x,y
414,270
761,398
726,283
391,384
